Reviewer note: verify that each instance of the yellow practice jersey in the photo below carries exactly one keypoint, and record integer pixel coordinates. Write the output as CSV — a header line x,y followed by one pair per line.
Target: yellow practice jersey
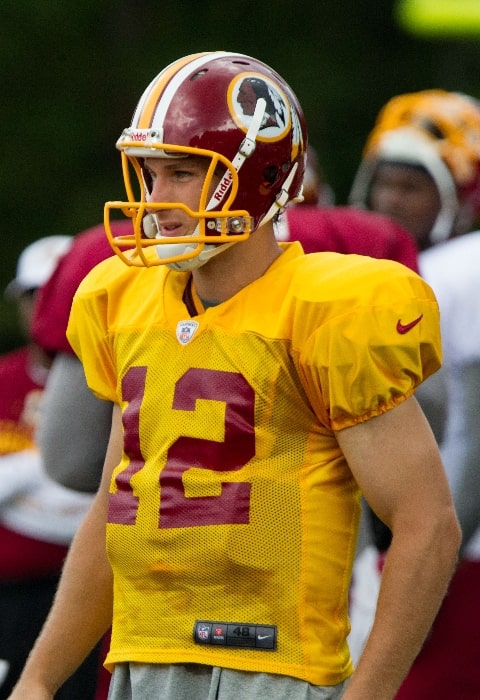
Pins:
x,y
233,512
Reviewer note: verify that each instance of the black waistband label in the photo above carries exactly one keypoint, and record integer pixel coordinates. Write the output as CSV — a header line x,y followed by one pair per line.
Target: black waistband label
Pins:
x,y
235,634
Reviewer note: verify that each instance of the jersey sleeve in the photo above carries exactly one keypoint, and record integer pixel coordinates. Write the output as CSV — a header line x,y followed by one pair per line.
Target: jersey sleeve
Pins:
x,y
372,354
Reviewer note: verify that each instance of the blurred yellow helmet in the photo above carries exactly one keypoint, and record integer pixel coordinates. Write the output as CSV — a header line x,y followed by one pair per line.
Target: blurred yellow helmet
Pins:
x,y
439,131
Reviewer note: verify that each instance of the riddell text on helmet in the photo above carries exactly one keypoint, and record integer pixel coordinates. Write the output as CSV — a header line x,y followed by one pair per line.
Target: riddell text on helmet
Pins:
x,y
138,136
223,186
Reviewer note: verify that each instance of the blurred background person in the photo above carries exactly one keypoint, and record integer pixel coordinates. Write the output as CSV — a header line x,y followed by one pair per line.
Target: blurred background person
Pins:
x,y
344,229
23,371
38,518
319,225
421,167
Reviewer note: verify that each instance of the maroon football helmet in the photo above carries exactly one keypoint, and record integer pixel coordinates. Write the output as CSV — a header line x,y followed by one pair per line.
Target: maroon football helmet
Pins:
x,y
243,116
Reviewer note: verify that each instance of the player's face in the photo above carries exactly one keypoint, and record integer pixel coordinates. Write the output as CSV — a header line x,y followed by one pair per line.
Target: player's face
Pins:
x,y
176,180
409,196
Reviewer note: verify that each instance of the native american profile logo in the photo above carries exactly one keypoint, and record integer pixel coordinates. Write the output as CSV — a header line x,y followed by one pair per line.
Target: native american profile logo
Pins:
x,y
245,90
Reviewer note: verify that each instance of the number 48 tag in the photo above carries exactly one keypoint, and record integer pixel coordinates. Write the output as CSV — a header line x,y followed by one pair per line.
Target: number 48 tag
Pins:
x,y
235,634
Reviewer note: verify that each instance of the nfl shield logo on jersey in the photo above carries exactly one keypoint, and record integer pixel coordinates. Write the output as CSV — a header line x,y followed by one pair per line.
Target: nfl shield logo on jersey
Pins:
x,y
186,331
203,632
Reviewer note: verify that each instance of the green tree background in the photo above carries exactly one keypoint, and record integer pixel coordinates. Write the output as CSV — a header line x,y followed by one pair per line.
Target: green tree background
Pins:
x,y
71,73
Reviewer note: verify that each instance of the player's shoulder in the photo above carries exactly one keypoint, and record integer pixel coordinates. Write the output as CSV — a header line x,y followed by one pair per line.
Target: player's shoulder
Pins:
x,y
352,280
344,270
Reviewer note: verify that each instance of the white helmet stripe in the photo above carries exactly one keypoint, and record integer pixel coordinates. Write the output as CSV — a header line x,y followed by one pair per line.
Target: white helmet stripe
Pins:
x,y
150,113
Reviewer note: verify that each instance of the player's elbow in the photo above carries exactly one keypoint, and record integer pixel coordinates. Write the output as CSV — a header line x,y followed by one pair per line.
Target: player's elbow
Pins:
x,y
433,534
446,539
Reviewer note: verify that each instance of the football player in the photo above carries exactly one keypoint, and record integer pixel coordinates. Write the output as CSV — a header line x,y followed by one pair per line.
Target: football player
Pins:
x,y
257,392
421,166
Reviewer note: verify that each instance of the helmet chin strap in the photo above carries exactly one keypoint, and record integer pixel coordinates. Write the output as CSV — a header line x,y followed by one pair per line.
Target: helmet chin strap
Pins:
x,y
168,250
283,197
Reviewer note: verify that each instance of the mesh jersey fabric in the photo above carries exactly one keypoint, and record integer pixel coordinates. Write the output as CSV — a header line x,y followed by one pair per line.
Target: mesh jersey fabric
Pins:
x,y
233,501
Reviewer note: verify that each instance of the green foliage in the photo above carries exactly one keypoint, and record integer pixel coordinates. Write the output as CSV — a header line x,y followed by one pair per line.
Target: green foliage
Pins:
x,y
71,74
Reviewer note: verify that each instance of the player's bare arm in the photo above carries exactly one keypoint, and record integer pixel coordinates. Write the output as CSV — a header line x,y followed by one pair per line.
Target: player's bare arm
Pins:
x,y
82,610
397,464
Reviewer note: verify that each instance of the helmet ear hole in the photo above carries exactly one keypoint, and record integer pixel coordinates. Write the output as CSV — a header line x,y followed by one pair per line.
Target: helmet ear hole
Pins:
x,y
432,129
270,176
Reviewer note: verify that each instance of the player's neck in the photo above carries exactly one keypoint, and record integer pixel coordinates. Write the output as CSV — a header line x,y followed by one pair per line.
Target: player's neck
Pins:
x,y
233,269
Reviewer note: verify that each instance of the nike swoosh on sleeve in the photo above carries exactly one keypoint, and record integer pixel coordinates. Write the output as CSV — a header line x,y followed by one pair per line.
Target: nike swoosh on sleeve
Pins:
x,y
403,328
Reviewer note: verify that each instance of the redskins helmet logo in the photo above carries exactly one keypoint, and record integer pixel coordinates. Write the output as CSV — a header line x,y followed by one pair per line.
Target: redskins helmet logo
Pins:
x,y
243,93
